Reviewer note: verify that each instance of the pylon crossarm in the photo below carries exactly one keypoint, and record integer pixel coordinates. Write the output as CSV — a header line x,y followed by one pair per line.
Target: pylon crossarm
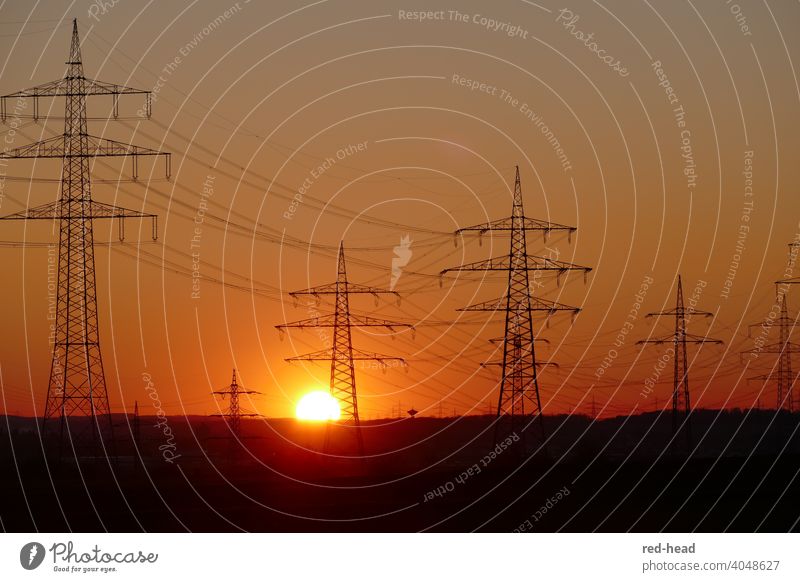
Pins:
x,y
327,355
538,364
694,312
505,224
494,264
699,339
376,357
776,348
790,281
365,321
775,375
330,289
684,312
51,89
657,340
64,88
329,320
96,87
55,147
690,338
91,209
61,88
534,263
777,324
55,88
239,414
536,304
321,321
501,340
109,147
320,356
52,147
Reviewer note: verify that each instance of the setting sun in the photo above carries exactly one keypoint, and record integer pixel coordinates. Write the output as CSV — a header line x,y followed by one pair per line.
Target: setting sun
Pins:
x,y
319,405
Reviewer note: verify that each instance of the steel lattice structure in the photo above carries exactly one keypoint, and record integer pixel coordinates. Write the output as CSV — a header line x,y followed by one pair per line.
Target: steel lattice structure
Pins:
x,y
342,354
77,385
784,348
680,380
520,383
234,414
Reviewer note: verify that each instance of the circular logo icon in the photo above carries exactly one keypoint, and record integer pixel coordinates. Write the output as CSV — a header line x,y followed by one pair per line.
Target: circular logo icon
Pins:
x,y
31,555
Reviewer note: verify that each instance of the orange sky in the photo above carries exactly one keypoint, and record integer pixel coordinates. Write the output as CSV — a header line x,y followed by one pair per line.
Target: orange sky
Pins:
x,y
429,119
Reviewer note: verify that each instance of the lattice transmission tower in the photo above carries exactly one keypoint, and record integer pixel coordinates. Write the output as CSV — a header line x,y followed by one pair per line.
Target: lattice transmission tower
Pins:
x,y
519,398
342,354
680,380
77,384
234,414
785,377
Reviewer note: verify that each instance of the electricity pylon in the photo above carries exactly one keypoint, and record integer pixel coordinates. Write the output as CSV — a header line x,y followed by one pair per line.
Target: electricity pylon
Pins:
x,y
342,354
679,338
233,416
520,381
77,385
786,377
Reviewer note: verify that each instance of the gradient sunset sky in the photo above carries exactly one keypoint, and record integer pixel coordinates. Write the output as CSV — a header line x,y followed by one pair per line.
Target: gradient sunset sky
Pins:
x,y
396,127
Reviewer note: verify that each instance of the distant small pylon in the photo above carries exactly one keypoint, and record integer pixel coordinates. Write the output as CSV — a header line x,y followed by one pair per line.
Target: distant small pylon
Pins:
x,y
234,413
